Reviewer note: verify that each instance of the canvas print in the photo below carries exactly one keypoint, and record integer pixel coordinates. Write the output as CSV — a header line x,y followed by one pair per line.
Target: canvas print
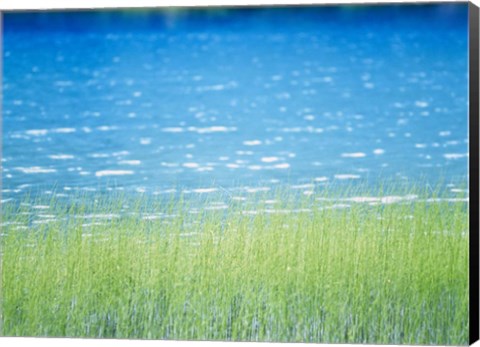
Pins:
x,y
286,174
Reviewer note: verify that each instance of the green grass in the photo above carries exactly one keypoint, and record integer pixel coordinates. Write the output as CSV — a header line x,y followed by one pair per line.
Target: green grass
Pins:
x,y
386,273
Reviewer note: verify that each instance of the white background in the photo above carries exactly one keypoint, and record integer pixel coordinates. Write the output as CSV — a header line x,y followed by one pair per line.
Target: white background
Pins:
x,y
77,4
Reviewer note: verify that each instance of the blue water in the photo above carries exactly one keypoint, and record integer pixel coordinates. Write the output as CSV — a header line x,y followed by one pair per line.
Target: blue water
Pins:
x,y
148,101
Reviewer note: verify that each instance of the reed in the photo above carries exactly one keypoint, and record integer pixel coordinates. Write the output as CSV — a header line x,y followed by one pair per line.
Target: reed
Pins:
x,y
277,266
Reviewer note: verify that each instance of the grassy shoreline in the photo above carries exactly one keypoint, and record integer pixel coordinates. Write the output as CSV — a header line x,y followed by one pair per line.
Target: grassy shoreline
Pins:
x,y
293,268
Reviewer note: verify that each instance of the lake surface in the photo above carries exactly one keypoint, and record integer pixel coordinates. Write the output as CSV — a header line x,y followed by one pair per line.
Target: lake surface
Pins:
x,y
151,101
